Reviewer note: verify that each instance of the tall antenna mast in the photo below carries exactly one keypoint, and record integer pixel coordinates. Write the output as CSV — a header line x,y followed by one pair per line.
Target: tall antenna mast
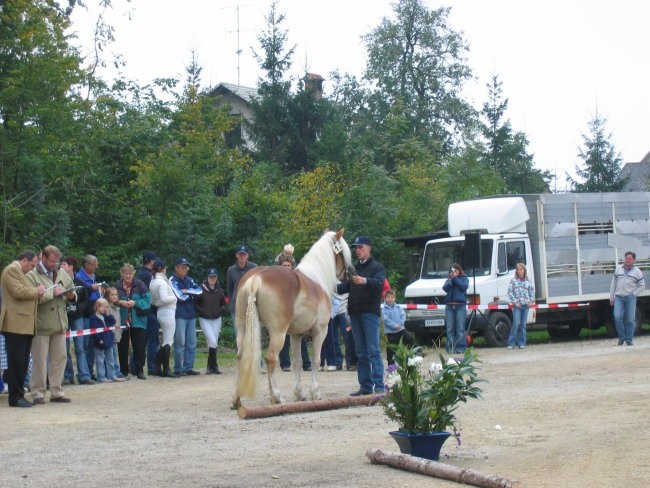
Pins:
x,y
238,49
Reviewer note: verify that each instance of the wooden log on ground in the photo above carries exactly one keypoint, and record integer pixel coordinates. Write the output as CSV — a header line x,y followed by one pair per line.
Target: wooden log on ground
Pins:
x,y
256,412
439,470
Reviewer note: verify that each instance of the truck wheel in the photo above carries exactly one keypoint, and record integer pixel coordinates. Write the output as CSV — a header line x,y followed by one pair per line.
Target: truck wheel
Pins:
x,y
570,330
638,321
498,330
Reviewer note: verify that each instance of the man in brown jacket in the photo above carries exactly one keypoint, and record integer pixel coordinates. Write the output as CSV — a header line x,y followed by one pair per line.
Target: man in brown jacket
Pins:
x,y
48,347
18,322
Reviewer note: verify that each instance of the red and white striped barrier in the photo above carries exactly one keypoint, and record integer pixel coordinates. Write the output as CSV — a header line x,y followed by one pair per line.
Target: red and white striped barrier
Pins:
x,y
85,332
494,306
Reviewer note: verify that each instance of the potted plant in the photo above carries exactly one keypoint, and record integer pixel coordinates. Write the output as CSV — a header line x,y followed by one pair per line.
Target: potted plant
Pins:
x,y
424,403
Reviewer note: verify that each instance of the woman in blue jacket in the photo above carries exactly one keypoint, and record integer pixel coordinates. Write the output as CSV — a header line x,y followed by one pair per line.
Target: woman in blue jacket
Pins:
x,y
456,309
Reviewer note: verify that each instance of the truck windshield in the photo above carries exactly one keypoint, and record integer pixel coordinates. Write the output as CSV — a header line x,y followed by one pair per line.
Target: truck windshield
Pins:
x,y
439,256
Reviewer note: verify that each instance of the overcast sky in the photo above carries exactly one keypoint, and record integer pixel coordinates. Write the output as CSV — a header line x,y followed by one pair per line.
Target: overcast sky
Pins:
x,y
560,61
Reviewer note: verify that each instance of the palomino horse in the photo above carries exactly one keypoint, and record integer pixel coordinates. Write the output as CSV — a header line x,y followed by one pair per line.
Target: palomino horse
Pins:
x,y
287,301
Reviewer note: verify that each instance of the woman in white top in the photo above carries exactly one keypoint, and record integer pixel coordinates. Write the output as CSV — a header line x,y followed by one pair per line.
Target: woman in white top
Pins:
x,y
164,299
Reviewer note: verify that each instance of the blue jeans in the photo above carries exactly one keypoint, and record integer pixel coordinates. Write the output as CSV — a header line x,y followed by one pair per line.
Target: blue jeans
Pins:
x,y
152,341
339,325
184,345
518,330
83,372
104,364
370,368
455,316
285,359
624,314
88,347
116,363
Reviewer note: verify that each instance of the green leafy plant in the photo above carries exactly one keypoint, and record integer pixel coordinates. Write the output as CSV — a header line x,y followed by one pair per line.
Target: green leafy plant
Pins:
x,y
423,402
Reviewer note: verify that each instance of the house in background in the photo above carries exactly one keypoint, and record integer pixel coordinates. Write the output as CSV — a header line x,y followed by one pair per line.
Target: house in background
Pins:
x,y
238,98
637,174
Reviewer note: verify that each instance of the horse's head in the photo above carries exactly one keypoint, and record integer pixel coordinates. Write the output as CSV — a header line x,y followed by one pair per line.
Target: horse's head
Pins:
x,y
342,254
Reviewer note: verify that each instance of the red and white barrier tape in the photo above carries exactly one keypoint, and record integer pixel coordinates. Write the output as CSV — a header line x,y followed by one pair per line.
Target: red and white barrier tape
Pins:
x,y
494,306
85,332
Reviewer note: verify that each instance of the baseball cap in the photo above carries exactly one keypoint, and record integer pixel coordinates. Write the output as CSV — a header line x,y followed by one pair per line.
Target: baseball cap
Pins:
x,y
182,261
243,248
212,272
361,240
148,256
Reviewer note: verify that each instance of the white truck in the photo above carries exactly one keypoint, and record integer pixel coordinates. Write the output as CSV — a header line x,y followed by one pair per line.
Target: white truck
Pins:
x,y
570,244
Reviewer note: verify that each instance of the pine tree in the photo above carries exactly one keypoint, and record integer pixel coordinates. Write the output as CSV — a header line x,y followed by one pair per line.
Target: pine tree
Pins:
x,y
602,162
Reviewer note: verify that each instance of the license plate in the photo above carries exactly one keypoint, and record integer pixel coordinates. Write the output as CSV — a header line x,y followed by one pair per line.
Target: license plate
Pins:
x,y
434,322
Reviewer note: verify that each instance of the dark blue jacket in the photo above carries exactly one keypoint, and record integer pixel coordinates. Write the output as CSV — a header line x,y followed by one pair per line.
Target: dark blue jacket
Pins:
x,y
365,298
185,308
456,289
106,339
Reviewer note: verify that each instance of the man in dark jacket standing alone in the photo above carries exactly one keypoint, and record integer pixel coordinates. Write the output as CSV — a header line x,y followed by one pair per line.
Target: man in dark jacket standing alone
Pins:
x,y
364,307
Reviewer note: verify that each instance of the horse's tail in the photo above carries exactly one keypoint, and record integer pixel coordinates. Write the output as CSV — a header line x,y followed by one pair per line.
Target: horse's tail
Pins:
x,y
248,357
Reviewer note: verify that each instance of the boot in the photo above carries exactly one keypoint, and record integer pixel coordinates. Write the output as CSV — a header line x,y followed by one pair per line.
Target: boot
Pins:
x,y
166,351
216,366
212,359
159,360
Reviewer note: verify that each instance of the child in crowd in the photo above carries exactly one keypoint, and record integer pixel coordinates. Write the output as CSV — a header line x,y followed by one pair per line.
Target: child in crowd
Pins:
x,y
103,341
113,297
394,318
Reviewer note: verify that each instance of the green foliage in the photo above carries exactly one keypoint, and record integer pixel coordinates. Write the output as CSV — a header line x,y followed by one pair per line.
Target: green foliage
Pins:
x,y
416,60
423,402
507,151
602,162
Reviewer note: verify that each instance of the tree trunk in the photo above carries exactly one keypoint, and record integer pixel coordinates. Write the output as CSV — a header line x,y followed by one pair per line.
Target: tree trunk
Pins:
x,y
307,406
439,470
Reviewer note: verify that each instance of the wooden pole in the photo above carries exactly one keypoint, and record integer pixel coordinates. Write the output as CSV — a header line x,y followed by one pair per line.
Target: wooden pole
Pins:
x,y
439,470
256,412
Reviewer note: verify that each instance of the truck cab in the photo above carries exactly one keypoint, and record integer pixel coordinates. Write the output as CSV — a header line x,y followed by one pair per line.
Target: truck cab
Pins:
x,y
501,224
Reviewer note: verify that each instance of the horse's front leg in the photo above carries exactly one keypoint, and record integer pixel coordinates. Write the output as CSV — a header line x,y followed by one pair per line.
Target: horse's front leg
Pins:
x,y
317,343
296,364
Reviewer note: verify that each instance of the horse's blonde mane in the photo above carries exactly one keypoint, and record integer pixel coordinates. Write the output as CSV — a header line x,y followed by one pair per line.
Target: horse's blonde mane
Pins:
x,y
319,263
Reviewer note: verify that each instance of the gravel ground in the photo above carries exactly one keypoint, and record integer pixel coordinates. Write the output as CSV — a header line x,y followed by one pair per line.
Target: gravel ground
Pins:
x,y
569,414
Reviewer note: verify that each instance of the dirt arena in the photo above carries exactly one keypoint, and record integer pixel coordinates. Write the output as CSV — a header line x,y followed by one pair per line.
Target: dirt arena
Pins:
x,y
570,414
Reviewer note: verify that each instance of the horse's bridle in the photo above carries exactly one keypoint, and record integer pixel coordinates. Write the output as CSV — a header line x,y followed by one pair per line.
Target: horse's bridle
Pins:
x,y
337,247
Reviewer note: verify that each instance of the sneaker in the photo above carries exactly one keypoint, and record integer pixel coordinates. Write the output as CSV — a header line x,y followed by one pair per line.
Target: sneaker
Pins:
x,y
286,368
352,367
522,347
141,376
105,380
509,347
67,382
87,382
620,342
119,379
321,368
331,368
191,372
630,343
339,367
